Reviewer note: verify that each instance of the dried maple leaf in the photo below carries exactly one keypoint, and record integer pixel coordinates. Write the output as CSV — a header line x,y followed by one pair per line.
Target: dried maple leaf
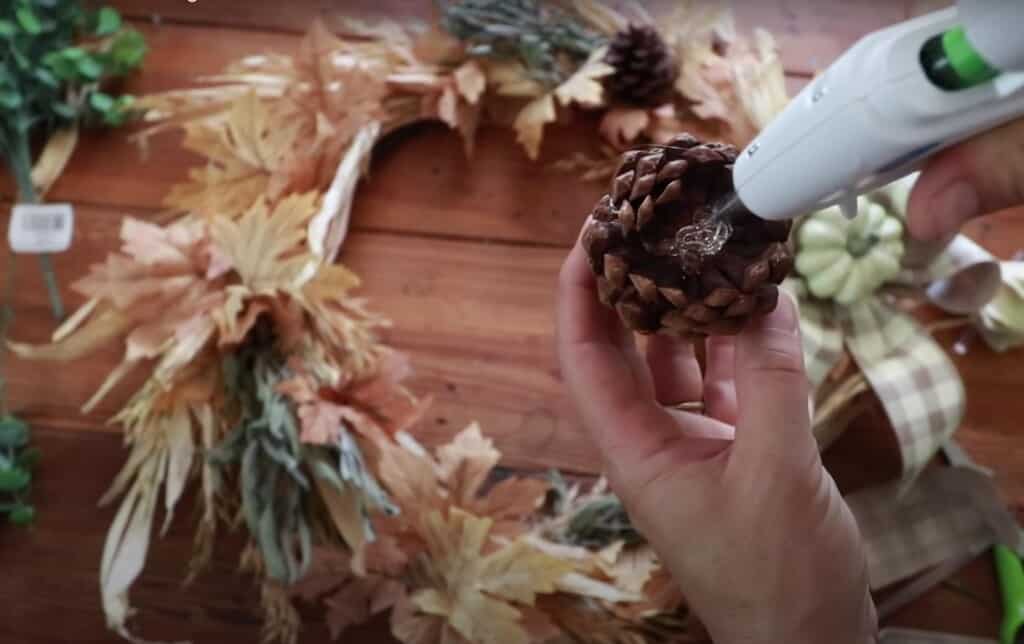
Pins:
x,y
530,122
263,245
621,126
244,150
584,86
470,81
477,589
728,78
420,484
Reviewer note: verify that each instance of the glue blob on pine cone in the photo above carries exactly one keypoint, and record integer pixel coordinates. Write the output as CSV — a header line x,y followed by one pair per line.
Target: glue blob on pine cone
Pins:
x,y
645,70
643,238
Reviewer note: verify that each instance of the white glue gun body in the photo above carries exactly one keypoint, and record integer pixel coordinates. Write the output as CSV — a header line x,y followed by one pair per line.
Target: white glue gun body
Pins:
x,y
880,110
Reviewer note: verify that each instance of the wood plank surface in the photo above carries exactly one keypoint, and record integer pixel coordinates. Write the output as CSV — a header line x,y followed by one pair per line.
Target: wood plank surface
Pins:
x,y
448,195
463,256
811,33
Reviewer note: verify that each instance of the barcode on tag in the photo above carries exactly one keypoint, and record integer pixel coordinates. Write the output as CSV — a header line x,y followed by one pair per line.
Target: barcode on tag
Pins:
x,y
44,222
41,228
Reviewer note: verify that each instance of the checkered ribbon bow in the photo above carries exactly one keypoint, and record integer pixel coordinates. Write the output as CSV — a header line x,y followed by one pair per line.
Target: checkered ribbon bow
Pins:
x,y
919,387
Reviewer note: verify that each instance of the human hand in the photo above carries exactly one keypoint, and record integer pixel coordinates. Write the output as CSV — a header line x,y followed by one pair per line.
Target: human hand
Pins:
x,y
977,177
747,520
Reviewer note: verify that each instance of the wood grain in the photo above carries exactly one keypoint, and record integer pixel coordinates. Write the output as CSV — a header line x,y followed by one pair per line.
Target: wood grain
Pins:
x,y
421,183
810,33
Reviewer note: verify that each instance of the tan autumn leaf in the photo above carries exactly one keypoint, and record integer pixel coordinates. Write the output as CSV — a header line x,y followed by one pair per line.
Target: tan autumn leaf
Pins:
x,y
470,81
244,149
629,568
411,478
410,626
54,158
465,462
265,246
511,78
476,590
530,122
584,87
359,599
621,126
760,81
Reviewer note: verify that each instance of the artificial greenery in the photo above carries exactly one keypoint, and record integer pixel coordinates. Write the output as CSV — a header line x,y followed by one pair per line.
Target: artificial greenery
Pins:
x,y
55,58
17,461
265,444
600,522
549,42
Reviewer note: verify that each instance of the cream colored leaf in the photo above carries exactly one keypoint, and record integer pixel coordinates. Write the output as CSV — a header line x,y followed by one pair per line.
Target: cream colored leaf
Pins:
x,y
478,594
263,245
584,87
124,553
448,107
621,126
54,158
329,227
181,448
631,569
519,573
410,479
244,150
530,122
75,321
96,333
578,584
512,79
465,463
346,515
471,81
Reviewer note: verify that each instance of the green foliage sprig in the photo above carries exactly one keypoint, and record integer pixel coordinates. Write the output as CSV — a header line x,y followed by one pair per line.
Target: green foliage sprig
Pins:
x,y
55,57
551,43
17,461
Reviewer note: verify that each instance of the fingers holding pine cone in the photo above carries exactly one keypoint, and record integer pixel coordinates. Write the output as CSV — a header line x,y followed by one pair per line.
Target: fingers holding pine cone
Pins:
x,y
632,242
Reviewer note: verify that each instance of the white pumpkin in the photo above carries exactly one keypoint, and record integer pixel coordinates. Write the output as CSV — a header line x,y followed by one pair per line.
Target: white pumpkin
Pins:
x,y
846,260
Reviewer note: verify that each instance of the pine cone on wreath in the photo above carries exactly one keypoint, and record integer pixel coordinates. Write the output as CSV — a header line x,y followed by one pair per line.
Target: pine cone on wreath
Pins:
x,y
645,70
634,239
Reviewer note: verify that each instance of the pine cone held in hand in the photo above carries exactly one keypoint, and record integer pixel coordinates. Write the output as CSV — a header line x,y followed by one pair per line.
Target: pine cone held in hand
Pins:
x,y
635,241
645,70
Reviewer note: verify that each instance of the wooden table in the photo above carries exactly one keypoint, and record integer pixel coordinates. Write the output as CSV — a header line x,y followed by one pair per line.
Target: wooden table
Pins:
x,y
463,256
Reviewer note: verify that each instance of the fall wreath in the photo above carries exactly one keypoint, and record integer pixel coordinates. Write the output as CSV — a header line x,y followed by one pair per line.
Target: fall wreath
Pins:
x,y
267,383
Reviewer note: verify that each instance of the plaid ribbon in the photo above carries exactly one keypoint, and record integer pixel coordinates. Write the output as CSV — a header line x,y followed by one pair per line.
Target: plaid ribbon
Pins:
x,y
919,387
909,636
951,513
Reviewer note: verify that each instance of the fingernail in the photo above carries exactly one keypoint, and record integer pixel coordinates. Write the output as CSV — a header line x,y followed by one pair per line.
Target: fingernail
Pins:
x,y
785,317
953,205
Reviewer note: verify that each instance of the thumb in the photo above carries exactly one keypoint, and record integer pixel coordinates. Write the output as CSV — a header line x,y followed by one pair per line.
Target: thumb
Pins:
x,y
773,427
977,177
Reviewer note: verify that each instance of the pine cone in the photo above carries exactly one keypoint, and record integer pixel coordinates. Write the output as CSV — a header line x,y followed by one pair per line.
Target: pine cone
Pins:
x,y
636,243
645,71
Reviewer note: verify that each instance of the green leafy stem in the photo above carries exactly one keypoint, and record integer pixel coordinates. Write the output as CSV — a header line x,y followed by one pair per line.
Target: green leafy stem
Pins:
x,y
17,461
54,57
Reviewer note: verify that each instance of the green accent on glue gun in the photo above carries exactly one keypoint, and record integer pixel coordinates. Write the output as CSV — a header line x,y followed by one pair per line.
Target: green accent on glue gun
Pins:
x,y
952,62
1011,584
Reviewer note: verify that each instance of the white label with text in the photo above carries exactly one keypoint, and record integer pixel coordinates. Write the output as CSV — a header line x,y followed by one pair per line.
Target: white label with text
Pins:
x,y
41,228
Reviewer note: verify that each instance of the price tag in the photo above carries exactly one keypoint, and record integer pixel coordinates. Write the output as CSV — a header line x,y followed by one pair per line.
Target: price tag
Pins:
x,y
41,228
